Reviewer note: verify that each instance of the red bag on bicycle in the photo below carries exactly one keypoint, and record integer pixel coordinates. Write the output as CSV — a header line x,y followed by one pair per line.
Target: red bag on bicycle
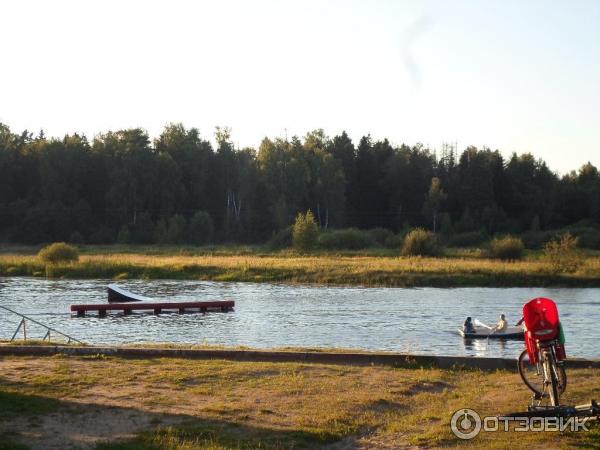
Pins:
x,y
541,324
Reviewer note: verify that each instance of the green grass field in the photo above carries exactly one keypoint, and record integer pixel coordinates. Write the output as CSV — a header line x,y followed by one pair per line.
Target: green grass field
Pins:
x,y
376,267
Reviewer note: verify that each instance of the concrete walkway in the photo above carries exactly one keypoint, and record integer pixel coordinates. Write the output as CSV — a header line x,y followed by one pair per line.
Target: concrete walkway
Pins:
x,y
345,358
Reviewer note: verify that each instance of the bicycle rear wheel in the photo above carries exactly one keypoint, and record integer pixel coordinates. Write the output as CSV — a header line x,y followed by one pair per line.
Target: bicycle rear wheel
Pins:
x,y
533,376
550,370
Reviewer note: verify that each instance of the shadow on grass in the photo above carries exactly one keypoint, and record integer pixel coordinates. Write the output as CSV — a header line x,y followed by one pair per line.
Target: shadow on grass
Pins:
x,y
219,435
13,404
6,443
40,422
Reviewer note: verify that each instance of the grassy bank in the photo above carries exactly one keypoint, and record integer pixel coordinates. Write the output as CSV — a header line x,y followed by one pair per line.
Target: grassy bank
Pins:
x,y
127,404
369,268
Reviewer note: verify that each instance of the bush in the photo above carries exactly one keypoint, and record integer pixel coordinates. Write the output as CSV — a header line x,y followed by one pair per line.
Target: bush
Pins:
x,y
537,239
420,242
395,240
564,254
589,237
346,239
281,239
59,252
201,228
380,235
306,232
467,239
508,248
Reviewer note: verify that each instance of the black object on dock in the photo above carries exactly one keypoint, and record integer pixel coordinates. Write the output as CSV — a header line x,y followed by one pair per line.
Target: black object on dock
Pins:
x,y
116,294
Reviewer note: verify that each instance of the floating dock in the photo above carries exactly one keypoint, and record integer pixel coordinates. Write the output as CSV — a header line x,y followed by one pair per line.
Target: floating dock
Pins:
x,y
157,308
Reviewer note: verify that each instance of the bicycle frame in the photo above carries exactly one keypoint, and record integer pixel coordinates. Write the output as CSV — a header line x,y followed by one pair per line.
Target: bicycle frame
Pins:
x,y
548,363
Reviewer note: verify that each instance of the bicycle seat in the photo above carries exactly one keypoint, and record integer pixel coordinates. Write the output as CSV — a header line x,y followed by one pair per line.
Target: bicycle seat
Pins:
x,y
541,319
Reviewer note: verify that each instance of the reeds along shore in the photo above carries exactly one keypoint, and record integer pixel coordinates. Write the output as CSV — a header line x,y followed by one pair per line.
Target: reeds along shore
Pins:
x,y
324,268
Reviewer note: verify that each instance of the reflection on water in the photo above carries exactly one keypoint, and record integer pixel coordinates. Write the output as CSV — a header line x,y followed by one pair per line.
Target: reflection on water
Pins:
x,y
484,347
420,321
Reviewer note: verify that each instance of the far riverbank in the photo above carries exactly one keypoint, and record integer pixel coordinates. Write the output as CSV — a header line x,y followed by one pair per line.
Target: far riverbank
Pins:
x,y
458,268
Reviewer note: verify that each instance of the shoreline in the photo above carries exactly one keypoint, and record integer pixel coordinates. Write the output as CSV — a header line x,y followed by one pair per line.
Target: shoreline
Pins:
x,y
320,269
336,357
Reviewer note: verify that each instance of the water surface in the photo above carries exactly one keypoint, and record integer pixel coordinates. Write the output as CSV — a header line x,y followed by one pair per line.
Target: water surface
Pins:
x,y
419,321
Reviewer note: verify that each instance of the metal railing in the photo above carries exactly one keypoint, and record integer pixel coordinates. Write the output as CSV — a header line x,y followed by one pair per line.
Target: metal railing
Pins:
x,y
49,330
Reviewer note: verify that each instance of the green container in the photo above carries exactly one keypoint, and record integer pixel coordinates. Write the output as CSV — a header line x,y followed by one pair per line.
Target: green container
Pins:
x,y
561,334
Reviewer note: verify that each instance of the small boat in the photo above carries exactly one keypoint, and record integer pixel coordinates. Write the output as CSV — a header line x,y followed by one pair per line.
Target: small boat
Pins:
x,y
511,333
117,294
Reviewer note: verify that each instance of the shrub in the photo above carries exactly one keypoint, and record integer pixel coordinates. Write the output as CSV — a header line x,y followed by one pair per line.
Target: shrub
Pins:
x,y
281,239
467,239
536,239
59,252
201,228
395,240
563,254
508,248
306,232
380,235
348,239
420,242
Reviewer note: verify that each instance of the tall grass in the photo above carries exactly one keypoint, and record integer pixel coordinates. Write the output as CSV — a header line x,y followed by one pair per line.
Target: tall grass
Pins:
x,y
322,269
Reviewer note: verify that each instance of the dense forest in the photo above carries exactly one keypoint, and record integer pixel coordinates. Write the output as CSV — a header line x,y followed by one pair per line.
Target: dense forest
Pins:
x,y
178,188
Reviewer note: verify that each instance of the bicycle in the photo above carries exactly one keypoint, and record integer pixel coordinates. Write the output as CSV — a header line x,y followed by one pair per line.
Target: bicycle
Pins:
x,y
541,364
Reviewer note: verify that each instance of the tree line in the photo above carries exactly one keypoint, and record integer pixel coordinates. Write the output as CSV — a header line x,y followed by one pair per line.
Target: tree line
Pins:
x,y
122,186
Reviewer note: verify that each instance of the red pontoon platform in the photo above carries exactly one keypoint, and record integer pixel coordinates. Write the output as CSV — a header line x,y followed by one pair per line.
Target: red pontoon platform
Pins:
x,y
157,308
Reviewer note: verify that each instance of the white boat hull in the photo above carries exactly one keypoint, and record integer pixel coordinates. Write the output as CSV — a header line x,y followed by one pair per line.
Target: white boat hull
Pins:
x,y
512,333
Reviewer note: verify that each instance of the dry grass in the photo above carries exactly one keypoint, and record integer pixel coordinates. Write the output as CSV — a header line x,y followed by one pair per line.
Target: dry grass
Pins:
x,y
183,404
324,269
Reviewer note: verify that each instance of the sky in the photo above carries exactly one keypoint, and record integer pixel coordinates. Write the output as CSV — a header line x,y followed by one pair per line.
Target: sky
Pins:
x,y
518,76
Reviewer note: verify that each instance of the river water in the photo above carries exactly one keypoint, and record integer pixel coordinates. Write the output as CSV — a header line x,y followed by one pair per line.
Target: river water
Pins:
x,y
418,321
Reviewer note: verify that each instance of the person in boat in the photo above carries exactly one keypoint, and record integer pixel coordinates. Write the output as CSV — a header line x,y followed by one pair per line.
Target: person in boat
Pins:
x,y
502,325
468,326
